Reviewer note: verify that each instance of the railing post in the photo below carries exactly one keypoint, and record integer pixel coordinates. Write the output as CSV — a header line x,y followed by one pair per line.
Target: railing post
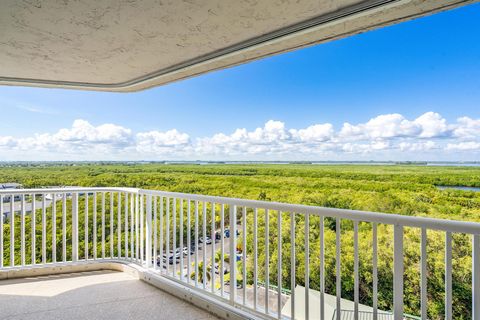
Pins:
x,y
12,230
74,226
398,273
148,232
233,253
476,277
448,276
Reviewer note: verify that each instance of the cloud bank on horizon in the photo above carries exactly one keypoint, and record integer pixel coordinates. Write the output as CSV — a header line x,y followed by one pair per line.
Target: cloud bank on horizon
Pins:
x,y
385,137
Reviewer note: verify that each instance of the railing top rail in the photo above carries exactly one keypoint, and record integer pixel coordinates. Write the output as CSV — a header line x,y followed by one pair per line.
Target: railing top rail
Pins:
x,y
366,216
66,190
356,215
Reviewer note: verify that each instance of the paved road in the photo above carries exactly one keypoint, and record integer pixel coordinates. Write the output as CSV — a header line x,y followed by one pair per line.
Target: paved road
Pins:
x,y
28,206
261,292
201,250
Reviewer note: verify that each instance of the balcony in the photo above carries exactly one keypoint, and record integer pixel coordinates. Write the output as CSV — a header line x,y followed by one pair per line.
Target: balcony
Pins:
x,y
79,252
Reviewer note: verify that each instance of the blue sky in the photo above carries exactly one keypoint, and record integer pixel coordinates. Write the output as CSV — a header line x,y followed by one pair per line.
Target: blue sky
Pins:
x,y
426,66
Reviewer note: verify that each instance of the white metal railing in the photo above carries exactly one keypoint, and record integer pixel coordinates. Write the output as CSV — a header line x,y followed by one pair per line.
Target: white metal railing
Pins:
x,y
164,232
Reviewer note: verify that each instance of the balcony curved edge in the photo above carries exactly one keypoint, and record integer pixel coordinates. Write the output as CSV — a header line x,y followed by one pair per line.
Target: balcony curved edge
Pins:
x,y
217,307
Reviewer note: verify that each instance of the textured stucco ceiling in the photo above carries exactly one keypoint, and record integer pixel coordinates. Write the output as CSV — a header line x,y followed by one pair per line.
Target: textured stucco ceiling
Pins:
x,y
127,45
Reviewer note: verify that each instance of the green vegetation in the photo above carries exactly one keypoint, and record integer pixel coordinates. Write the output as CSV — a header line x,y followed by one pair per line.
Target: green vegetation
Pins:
x,y
408,190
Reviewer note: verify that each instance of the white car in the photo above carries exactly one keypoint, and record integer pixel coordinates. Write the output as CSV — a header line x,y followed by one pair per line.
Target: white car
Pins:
x,y
217,269
208,240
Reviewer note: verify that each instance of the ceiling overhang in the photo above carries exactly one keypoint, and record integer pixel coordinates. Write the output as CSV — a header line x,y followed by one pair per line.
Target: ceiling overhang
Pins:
x,y
130,45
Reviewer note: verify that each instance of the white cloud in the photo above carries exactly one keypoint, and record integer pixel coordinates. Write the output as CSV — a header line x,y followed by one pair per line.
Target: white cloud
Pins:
x,y
315,133
390,126
417,146
432,124
160,142
7,141
383,126
467,128
389,135
464,146
85,133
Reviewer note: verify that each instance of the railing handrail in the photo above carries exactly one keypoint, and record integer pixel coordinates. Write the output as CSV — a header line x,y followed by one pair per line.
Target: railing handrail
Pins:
x,y
454,226
66,189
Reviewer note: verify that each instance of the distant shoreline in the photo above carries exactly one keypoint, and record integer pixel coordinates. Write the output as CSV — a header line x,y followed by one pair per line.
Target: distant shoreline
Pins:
x,y
199,162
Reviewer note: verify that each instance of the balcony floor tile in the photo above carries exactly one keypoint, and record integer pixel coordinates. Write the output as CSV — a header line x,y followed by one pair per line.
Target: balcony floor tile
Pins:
x,y
91,295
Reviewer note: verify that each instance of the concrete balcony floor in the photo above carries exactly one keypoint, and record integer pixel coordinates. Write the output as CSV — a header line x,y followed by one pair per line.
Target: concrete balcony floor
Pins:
x,y
91,295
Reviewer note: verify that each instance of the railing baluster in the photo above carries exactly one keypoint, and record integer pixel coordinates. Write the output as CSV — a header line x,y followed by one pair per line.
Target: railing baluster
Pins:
x,y
222,248
244,254
142,229
95,235
398,273
448,276
181,239
167,221
148,232
279,265
267,260
119,225
137,226
54,228
204,245
32,240
111,237
155,226
126,225
355,269
233,254
375,270
423,274
86,240
196,243
12,230
132,226
338,270
74,227
44,230
255,257
174,237
322,268
64,228
189,243
293,265
103,225
22,230
161,235
476,277
307,266
212,235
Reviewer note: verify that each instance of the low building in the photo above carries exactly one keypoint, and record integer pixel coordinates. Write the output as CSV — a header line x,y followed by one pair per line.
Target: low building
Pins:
x,y
10,185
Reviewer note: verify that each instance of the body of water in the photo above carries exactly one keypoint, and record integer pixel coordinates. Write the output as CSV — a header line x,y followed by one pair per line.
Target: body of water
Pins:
x,y
475,189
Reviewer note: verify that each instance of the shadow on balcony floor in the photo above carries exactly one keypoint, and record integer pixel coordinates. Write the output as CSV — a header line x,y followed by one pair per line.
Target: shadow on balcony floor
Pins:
x,y
91,295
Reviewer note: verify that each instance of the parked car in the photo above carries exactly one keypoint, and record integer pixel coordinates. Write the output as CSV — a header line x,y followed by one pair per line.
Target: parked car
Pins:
x,y
217,269
239,284
208,240
185,250
171,259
